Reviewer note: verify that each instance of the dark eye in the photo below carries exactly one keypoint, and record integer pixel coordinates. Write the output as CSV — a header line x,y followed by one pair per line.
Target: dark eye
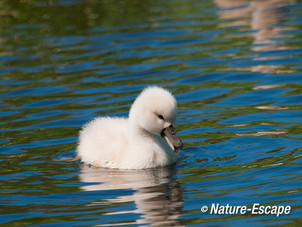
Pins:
x,y
161,117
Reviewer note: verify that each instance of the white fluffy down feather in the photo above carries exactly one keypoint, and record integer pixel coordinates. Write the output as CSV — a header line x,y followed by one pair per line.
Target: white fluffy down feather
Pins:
x,y
146,139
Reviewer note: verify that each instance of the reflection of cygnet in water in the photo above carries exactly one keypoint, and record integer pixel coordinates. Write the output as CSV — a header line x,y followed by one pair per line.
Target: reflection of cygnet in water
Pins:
x,y
156,196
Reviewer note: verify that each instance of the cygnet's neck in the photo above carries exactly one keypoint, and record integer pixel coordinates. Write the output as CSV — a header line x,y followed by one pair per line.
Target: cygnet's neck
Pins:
x,y
148,149
136,132
141,140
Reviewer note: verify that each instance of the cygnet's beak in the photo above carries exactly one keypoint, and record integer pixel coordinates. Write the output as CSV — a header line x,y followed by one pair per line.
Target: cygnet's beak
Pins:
x,y
170,135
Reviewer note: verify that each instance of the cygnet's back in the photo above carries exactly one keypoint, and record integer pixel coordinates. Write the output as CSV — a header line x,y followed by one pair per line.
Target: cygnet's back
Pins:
x,y
103,141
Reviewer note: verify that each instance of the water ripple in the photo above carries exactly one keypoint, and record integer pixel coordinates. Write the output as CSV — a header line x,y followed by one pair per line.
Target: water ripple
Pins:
x,y
234,67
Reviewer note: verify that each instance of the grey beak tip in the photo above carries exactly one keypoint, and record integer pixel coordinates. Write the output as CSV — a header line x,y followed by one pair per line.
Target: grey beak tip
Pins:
x,y
171,134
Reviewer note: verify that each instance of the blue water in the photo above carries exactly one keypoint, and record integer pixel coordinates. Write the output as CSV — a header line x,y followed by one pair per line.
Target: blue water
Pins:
x,y
235,68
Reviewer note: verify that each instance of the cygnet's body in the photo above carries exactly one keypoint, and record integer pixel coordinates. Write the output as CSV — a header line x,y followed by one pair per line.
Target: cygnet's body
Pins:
x,y
137,142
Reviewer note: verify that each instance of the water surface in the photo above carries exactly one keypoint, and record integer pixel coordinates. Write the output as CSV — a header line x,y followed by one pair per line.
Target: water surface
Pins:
x,y
234,67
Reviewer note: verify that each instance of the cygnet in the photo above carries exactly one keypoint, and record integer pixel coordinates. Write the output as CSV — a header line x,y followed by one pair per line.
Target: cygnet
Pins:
x,y
146,139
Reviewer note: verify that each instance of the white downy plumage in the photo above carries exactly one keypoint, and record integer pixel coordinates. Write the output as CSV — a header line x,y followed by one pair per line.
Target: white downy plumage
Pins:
x,y
137,142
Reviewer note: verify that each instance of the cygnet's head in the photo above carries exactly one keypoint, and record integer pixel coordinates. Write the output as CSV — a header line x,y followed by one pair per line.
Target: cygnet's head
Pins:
x,y
154,111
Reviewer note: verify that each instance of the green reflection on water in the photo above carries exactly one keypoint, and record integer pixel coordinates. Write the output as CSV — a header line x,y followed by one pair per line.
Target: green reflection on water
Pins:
x,y
43,45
